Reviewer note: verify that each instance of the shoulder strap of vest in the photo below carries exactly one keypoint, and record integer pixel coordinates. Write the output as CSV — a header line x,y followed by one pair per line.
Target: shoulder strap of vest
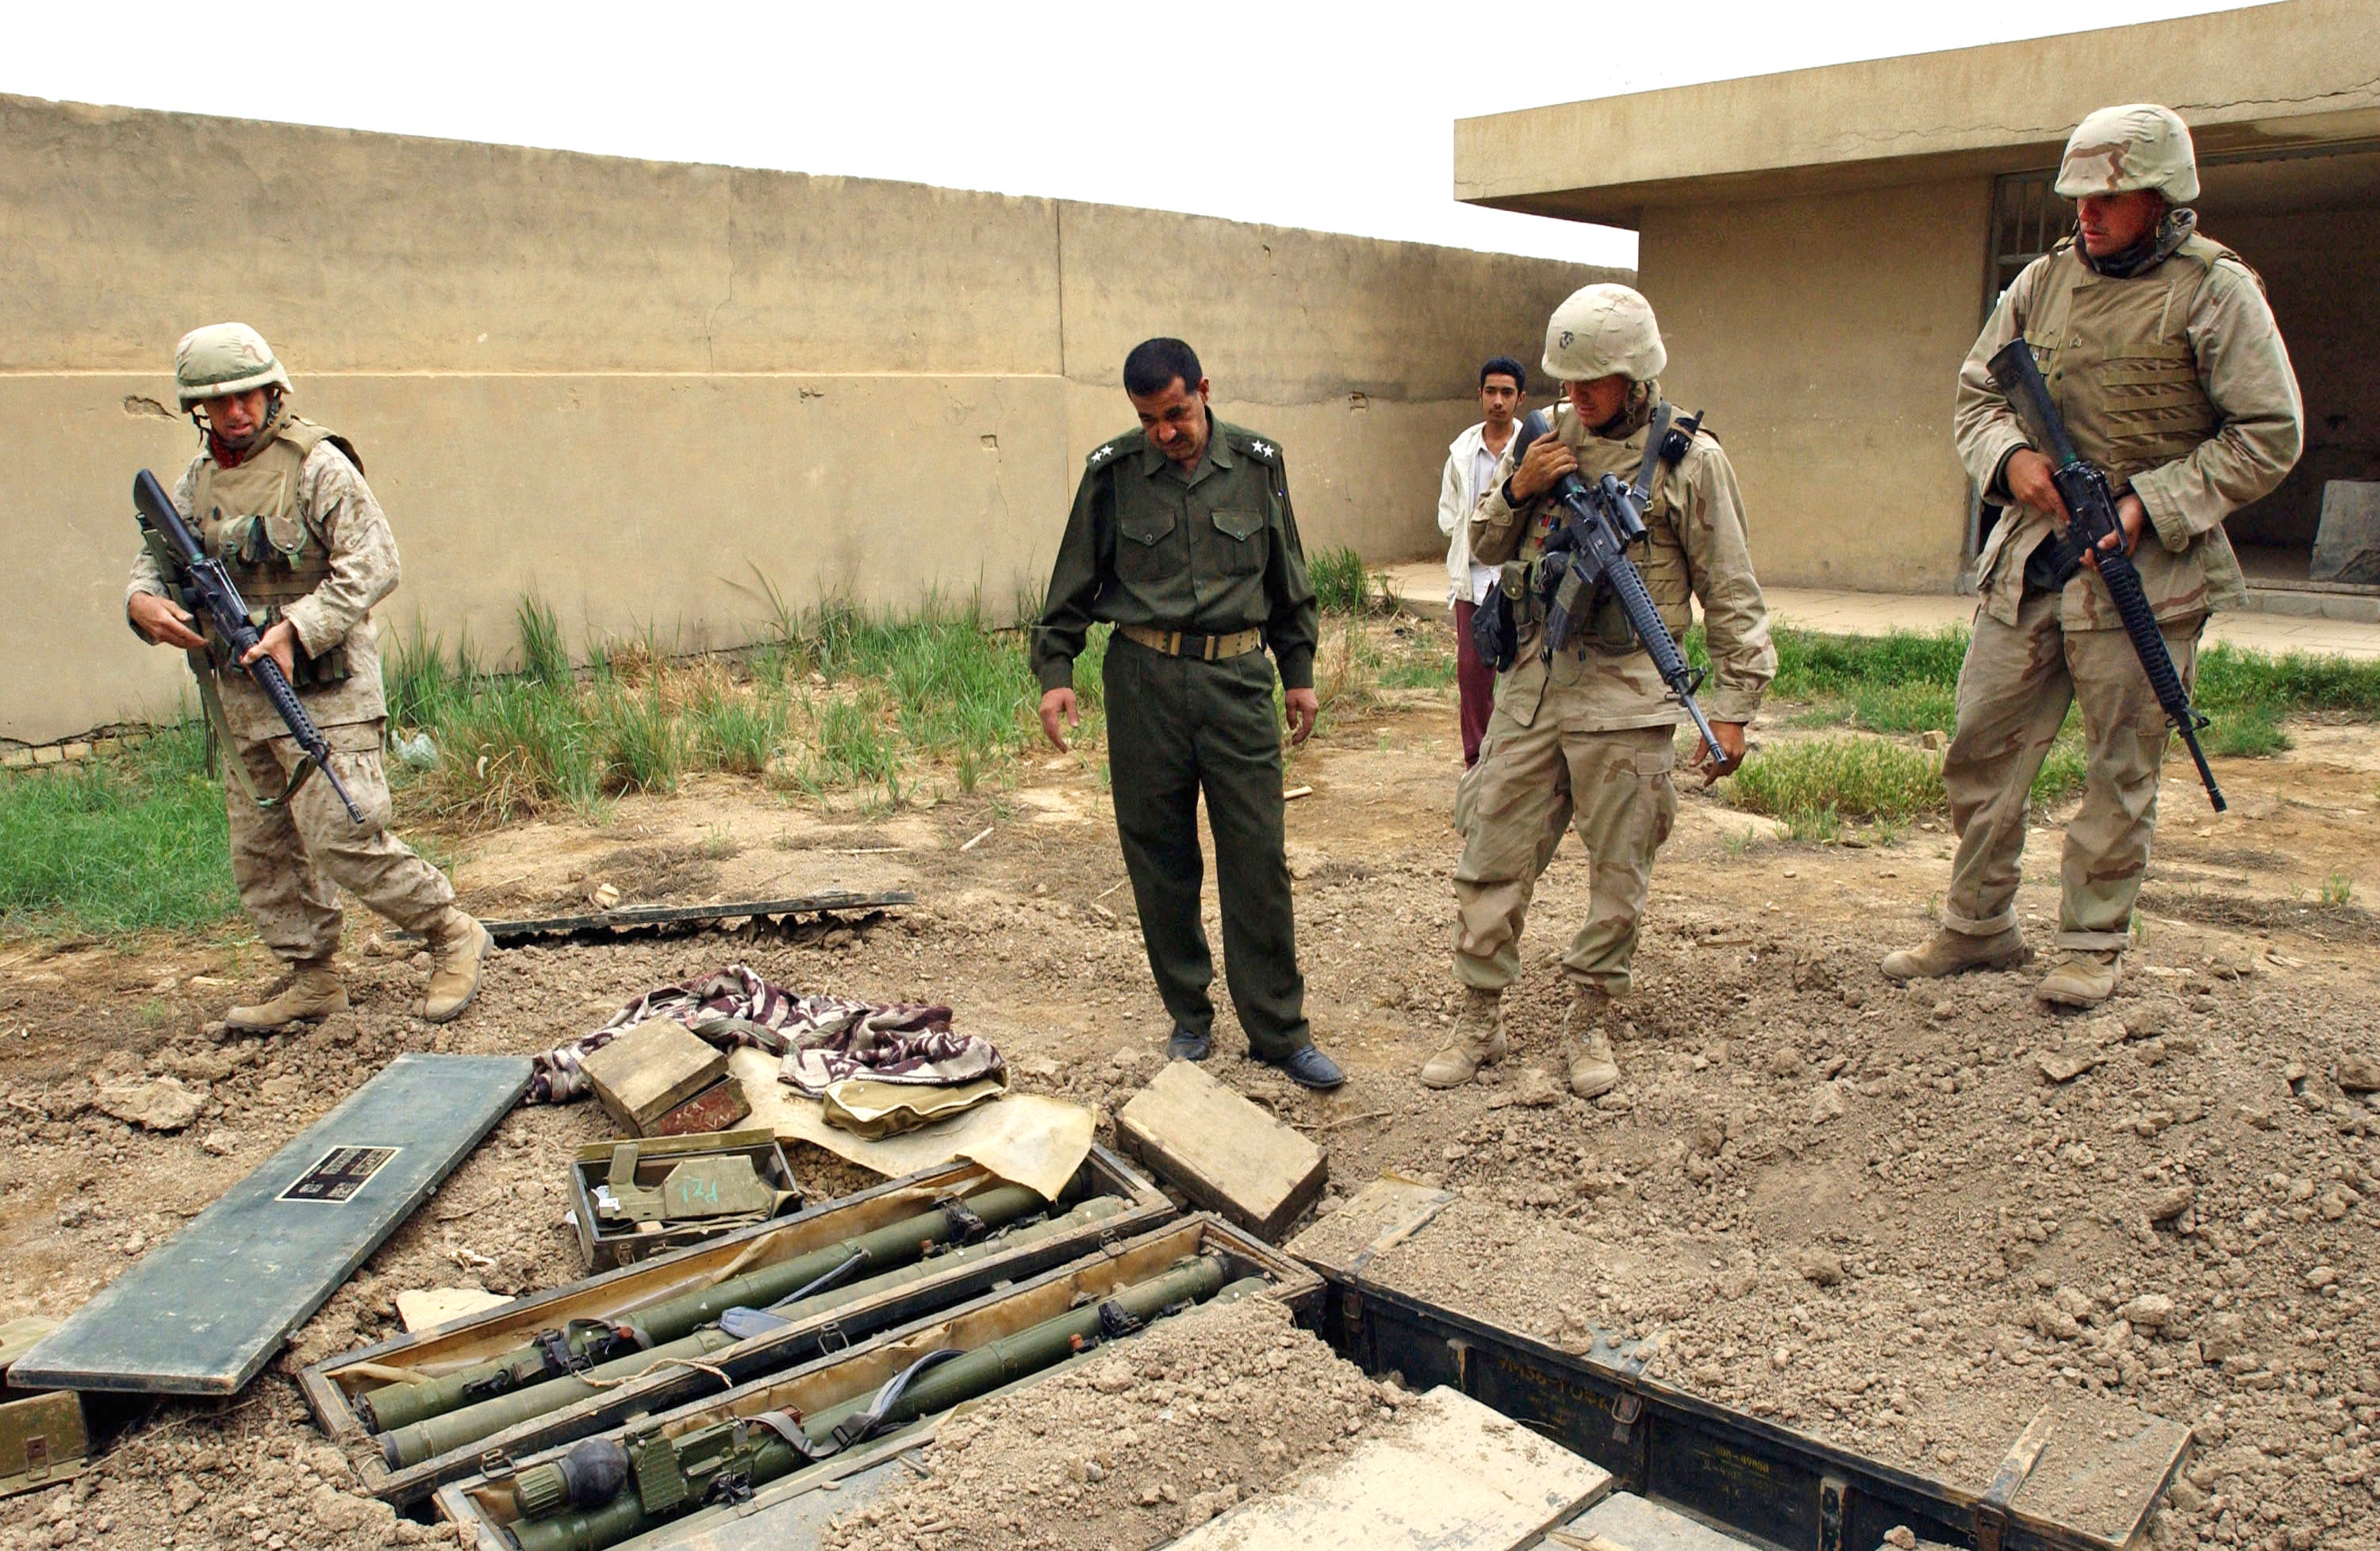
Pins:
x,y
2208,252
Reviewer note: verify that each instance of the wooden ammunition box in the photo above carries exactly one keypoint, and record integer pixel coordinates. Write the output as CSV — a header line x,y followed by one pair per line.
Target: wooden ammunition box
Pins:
x,y
482,1502
333,1387
42,1441
648,1071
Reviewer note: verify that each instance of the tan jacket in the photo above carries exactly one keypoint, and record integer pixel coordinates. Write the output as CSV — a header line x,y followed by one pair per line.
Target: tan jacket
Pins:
x,y
1698,548
2175,382
335,503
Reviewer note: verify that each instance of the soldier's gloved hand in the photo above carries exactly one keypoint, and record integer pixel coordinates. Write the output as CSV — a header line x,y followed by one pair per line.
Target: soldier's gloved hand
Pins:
x,y
1302,706
2134,516
1730,742
164,621
1055,704
2026,475
279,642
1545,461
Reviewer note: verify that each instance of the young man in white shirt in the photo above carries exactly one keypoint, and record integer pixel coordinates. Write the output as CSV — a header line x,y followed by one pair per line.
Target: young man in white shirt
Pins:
x,y
1469,461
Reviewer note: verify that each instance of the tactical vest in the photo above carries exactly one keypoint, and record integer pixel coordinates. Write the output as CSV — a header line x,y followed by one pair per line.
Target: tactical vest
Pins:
x,y
252,519
1660,560
2117,355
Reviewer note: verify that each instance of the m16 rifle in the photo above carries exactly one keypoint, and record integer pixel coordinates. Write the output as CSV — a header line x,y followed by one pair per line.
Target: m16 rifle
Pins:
x,y
202,585
1587,555
2091,517
606,1490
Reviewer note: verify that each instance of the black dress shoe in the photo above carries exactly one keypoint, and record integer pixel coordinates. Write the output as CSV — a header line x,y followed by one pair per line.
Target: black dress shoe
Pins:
x,y
1310,1068
1187,1045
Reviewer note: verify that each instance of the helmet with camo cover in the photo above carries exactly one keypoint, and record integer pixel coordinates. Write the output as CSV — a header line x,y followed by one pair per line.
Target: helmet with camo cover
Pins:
x,y
1604,331
224,358
2139,145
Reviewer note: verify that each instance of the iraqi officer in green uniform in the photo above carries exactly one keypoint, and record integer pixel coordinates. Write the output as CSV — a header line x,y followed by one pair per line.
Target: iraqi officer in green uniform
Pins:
x,y
1183,537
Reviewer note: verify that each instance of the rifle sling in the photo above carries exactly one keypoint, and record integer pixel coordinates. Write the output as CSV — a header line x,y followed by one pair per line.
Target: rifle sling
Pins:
x,y
1656,436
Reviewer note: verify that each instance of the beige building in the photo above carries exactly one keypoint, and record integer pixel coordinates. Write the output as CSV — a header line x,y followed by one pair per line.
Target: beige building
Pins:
x,y
651,392
1824,245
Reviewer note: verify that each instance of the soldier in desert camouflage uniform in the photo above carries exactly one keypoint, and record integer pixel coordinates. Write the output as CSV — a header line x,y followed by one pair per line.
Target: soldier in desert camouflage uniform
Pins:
x,y
1584,738
282,502
2165,363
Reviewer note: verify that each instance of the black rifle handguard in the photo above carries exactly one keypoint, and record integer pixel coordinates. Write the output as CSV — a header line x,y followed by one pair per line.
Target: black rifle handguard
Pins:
x,y
2090,509
207,587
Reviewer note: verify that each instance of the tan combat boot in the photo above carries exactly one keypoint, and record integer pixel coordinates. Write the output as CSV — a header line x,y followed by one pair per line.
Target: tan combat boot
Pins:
x,y
458,946
314,991
1478,1042
1950,952
1593,1071
2083,979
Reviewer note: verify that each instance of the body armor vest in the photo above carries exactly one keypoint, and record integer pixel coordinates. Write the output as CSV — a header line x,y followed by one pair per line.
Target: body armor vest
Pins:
x,y
252,519
2117,355
1660,560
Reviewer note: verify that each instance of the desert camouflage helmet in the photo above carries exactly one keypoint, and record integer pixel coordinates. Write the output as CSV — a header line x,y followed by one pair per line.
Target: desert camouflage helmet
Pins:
x,y
2139,145
1601,331
224,358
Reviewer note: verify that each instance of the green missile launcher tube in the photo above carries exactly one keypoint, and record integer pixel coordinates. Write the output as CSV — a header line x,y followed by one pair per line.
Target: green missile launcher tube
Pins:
x,y
438,1435
604,1492
557,1353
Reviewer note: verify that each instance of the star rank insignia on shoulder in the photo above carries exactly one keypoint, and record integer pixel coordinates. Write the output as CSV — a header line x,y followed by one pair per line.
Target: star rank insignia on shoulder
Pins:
x,y
1262,448
1101,454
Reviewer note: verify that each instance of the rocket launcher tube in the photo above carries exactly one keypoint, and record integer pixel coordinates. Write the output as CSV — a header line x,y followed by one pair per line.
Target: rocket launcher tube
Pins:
x,y
438,1435
731,1459
395,1406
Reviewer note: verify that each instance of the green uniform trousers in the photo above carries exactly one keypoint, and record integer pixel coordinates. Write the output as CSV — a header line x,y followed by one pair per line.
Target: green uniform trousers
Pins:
x,y
1531,784
2014,689
1178,726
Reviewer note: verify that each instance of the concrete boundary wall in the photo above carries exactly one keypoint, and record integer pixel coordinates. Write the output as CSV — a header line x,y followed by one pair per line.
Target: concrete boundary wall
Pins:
x,y
640,388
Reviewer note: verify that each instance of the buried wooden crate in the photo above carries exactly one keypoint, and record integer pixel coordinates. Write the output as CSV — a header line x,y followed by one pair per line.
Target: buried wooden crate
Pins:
x,y
483,1503
1784,1488
333,1387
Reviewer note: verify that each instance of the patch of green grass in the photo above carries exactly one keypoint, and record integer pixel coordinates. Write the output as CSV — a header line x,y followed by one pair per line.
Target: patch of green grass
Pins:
x,y
2338,889
2252,730
1420,658
1813,826
1342,585
641,745
127,841
1840,778
737,733
544,658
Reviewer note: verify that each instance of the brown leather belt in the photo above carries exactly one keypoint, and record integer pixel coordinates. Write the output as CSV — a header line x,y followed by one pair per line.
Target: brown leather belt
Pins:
x,y
1182,643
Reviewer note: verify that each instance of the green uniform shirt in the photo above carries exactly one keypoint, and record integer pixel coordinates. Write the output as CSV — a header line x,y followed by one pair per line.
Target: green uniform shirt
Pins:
x,y
1213,551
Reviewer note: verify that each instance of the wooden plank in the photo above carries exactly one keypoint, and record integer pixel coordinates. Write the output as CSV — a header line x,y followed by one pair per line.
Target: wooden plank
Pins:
x,y
508,933
2099,1467
1451,1473
648,1071
1625,1522
203,1312
1224,1153
1378,1217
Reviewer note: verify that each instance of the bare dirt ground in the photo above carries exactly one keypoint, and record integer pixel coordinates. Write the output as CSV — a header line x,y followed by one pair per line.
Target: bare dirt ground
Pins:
x,y
1869,1212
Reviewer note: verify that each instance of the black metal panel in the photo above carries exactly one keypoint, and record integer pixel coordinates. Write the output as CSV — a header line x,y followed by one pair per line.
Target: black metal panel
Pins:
x,y
1752,1477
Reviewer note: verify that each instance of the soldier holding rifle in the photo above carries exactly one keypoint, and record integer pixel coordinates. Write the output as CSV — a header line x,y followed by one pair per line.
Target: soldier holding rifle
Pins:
x,y
1583,730
282,503
2161,359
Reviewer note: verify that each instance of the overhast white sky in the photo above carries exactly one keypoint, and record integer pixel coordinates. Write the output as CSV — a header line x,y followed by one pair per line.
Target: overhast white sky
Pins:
x,y
1333,116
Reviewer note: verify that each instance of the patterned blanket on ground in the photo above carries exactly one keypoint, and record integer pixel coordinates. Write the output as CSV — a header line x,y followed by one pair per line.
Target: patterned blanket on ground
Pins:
x,y
822,1039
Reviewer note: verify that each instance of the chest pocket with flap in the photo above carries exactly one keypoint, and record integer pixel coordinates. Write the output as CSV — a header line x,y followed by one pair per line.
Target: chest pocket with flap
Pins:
x,y
1239,541
1141,551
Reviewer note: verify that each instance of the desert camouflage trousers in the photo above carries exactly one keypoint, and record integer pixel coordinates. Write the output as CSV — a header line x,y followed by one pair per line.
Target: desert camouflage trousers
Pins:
x,y
290,863
2014,689
1532,783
